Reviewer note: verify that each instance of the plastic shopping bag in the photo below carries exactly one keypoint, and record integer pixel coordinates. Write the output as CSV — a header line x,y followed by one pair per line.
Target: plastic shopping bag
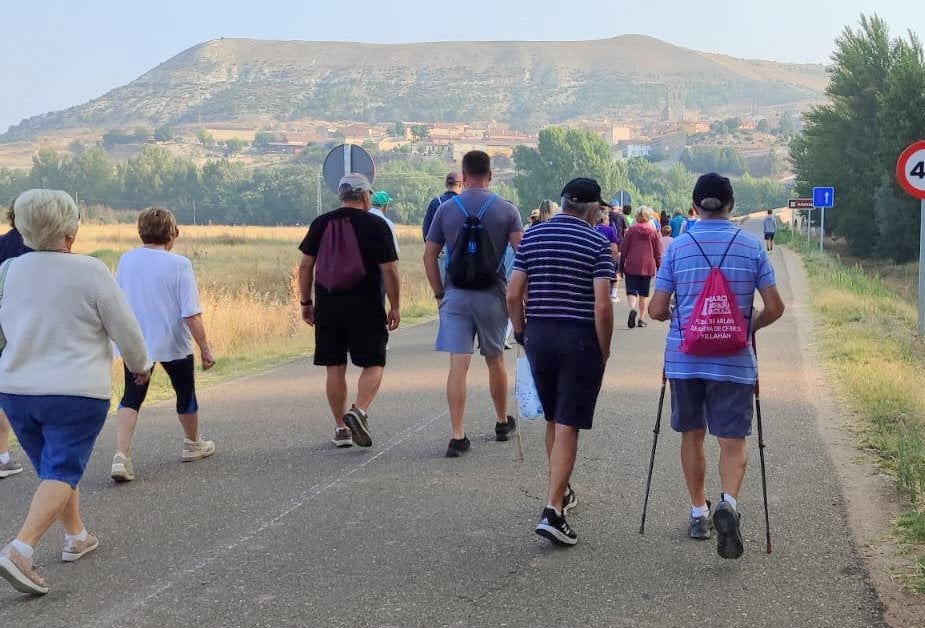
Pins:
x,y
528,399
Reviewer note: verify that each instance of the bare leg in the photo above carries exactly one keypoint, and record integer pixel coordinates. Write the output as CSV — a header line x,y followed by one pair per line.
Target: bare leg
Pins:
x,y
49,500
733,458
126,420
368,386
497,384
70,515
561,463
336,390
456,391
550,440
643,304
190,423
632,300
694,463
5,430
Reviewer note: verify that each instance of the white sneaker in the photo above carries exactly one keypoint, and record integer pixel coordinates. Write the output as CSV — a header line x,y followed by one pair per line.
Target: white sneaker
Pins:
x,y
122,469
197,450
75,550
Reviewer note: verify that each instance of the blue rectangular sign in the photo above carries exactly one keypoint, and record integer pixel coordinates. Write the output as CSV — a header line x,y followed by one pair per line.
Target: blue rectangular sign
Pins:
x,y
824,197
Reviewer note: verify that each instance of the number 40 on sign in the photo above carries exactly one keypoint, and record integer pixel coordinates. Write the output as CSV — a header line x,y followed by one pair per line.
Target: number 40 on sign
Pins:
x,y
910,172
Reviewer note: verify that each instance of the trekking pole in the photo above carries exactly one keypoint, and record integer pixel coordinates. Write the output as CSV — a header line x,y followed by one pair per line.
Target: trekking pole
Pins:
x,y
520,438
658,426
764,477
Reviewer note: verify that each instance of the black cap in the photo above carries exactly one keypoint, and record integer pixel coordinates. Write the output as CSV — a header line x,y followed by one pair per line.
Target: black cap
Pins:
x,y
713,192
582,190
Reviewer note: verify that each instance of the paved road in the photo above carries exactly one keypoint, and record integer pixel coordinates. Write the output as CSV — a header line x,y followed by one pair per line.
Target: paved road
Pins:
x,y
281,529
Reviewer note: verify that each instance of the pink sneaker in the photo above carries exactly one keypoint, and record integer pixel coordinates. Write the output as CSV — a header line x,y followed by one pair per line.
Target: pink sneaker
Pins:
x,y
19,572
75,550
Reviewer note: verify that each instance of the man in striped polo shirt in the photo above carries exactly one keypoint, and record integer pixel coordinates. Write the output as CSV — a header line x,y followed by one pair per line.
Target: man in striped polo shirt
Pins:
x,y
562,271
713,392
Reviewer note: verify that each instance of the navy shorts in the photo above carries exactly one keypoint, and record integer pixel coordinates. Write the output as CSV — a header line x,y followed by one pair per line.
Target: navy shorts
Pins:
x,y
639,285
568,369
57,432
182,378
768,236
725,408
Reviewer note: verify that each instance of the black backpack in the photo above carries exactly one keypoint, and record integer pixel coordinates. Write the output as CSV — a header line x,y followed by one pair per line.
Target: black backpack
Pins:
x,y
473,263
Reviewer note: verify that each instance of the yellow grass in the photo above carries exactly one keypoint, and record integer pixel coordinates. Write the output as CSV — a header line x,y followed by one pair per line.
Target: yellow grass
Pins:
x,y
248,287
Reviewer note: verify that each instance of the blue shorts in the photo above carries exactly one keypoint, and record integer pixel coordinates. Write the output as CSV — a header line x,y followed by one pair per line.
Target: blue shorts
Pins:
x,y
57,432
726,408
568,369
465,314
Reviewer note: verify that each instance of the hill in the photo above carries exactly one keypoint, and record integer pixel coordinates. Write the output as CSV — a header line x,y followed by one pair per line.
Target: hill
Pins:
x,y
525,83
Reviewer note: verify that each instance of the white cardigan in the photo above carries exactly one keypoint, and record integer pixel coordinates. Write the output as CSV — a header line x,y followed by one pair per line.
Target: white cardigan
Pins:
x,y
59,312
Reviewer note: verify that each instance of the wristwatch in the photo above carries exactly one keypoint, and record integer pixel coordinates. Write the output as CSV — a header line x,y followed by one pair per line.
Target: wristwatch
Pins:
x,y
440,296
306,303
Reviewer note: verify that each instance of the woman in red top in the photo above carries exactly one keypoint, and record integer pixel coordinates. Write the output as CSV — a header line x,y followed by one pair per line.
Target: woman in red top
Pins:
x,y
641,255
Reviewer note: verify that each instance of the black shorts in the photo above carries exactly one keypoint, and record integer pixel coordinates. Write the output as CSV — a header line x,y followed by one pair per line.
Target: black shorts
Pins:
x,y
769,236
638,284
568,369
356,331
182,378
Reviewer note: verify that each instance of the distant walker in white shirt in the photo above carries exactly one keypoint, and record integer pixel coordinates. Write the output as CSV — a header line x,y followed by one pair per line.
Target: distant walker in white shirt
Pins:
x,y
381,201
161,289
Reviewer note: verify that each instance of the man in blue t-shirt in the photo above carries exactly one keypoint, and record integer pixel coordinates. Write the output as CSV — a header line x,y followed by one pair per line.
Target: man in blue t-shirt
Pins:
x,y
712,392
676,221
770,230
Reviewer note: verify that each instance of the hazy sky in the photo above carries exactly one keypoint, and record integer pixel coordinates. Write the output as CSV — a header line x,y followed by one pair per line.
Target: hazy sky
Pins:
x,y
58,53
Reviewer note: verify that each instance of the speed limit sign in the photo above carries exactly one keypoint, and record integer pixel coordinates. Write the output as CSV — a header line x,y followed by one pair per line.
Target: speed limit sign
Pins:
x,y
910,170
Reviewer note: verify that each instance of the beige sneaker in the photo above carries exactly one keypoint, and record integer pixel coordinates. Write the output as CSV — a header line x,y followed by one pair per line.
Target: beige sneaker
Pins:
x,y
75,550
197,450
122,469
19,572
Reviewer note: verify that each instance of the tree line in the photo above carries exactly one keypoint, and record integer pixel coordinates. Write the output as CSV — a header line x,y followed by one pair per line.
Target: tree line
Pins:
x,y
877,96
564,153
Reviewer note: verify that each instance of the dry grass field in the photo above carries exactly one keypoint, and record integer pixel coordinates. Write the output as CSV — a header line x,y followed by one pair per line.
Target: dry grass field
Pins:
x,y
247,282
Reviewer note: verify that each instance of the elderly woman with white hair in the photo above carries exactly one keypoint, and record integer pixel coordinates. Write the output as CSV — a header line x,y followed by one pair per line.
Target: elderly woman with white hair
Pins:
x,y
58,314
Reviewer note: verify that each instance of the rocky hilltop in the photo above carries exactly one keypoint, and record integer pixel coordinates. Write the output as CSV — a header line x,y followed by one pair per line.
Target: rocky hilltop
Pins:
x,y
525,83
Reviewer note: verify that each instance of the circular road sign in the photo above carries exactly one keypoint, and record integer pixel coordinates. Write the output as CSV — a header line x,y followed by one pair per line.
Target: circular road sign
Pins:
x,y
910,170
347,158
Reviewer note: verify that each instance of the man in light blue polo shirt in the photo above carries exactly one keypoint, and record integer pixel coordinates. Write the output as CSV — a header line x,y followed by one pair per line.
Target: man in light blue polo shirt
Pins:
x,y
713,392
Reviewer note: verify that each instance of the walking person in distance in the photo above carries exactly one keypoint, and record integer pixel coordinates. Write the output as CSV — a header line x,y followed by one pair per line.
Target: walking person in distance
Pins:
x,y
348,259
713,390
770,230
161,289
640,256
562,272
476,227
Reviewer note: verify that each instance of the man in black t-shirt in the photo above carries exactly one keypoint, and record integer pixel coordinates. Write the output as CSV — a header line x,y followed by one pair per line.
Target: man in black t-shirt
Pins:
x,y
352,321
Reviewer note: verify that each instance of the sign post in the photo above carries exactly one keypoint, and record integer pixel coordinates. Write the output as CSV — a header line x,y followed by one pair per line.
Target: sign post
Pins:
x,y
804,204
823,198
910,172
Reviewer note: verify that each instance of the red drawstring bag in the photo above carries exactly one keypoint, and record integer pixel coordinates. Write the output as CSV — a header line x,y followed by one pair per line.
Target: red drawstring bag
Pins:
x,y
339,265
716,326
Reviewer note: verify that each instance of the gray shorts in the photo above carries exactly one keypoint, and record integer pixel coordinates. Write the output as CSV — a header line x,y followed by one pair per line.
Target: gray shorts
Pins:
x,y
465,314
725,407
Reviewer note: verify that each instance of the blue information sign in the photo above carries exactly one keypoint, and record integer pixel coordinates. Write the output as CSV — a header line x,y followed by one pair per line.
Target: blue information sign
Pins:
x,y
824,197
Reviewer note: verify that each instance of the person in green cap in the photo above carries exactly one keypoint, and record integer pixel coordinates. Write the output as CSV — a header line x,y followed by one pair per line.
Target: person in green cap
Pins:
x,y
381,201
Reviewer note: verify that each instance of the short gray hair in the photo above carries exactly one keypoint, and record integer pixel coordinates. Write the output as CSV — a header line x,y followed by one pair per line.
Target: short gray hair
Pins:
x,y
45,218
573,207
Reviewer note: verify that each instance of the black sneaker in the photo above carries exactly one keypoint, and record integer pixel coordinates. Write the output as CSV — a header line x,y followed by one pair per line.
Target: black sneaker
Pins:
x,y
570,501
642,323
458,446
358,422
504,430
632,319
728,535
555,528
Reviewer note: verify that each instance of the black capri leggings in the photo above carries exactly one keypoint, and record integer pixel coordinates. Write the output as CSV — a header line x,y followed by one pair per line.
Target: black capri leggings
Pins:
x,y
181,374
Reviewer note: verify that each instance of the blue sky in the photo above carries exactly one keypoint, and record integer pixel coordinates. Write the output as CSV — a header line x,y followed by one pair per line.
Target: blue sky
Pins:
x,y
58,53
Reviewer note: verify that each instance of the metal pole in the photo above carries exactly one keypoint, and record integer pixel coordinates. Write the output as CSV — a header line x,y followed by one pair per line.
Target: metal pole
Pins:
x,y
821,229
922,271
348,164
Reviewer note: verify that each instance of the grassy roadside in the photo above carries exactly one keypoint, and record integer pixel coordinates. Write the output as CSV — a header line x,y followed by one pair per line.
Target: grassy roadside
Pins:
x,y
874,357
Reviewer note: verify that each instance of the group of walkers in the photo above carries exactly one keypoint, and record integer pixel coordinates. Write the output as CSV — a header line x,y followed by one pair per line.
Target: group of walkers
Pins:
x,y
552,283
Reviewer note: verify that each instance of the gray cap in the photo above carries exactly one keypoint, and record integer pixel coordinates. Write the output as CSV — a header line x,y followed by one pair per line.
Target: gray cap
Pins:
x,y
354,182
